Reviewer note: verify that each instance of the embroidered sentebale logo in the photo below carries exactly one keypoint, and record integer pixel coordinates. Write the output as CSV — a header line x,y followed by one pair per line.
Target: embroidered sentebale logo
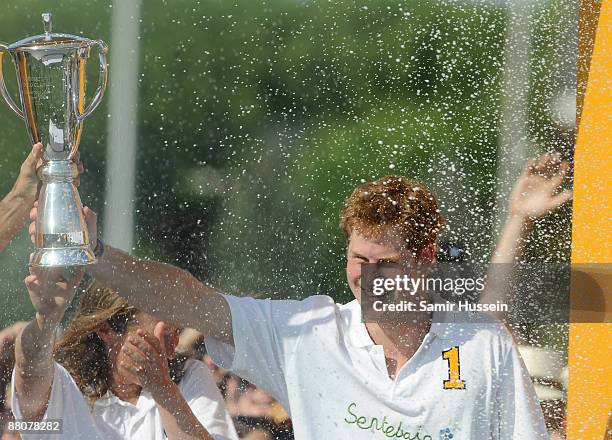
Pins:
x,y
384,426
446,434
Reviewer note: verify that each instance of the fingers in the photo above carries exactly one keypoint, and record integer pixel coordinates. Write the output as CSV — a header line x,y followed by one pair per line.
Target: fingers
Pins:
x,y
137,344
550,166
553,164
34,157
37,152
45,273
36,286
143,357
78,163
560,199
80,168
547,165
529,166
160,332
129,371
34,211
168,335
32,162
91,220
32,231
89,214
557,179
138,357
31,282
33,217
564,166
55,278
148,344
49,278
151,341
540,164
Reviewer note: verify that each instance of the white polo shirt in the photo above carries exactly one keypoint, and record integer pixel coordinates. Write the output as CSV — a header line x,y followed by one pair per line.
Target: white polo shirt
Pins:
x,y
318,360
114,419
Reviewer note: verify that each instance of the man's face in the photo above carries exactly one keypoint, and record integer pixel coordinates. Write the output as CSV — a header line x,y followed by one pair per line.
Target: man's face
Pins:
x,y
384,248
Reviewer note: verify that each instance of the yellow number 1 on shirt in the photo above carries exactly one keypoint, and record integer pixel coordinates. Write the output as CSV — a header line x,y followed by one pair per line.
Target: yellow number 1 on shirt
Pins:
x,y
454,381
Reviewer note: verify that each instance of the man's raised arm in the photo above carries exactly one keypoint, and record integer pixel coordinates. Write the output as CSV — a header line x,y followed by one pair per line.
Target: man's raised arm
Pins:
x,y
535,194
168,292
50,294
15,206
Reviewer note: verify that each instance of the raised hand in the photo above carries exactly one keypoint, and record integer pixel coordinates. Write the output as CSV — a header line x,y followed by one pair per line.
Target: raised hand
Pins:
x,y
27,184
536,192
14,207
50,292
147,362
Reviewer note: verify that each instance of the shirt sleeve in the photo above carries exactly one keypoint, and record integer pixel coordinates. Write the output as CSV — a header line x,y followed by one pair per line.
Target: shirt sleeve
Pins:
x,y
519,414
266,334
203,397
66,404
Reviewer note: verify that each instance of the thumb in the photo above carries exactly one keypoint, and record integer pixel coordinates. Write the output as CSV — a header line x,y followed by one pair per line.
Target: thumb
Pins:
x,y
91,220
35,155
90,216
561,199
167,335
159,332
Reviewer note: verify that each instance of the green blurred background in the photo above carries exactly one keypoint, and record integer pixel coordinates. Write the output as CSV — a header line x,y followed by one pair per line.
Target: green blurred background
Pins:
x,y
256,119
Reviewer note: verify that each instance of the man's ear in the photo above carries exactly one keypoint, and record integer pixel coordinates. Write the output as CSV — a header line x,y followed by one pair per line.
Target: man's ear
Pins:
x,y
428,254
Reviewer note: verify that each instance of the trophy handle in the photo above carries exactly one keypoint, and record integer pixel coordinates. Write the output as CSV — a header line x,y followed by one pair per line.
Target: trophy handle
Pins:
x,y
3,90
102,81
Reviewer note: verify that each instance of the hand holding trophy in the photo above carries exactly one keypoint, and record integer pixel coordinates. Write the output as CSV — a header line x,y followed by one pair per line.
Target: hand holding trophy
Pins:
x,y
51,79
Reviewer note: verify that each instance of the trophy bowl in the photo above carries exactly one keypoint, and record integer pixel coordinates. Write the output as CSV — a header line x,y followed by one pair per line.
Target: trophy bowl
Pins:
x,y
50,70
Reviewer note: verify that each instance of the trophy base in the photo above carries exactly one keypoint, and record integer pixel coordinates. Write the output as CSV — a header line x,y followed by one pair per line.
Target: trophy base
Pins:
x,y
72,256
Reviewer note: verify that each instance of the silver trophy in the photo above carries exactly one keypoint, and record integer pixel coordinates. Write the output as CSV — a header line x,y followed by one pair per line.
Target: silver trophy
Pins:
x,y
50,72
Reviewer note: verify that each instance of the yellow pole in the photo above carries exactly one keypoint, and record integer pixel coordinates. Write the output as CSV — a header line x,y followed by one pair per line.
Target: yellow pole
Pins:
x,y
590,358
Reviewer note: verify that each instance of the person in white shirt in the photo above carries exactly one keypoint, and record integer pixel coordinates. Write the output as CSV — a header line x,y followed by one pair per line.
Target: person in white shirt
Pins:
x,y
339,377
113,373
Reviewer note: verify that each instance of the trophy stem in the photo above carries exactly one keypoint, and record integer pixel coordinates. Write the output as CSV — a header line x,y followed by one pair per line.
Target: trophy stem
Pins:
x,y
61,231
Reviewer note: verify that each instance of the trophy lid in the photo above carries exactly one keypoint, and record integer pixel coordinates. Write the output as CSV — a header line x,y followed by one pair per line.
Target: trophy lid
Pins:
x,y
50,40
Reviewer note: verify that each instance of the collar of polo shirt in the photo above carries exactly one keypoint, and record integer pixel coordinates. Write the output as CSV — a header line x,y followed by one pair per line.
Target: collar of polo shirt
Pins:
x,y
359,336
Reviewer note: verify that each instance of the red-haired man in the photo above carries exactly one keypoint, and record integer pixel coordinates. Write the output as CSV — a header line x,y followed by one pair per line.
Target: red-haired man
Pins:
x,y
341,378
